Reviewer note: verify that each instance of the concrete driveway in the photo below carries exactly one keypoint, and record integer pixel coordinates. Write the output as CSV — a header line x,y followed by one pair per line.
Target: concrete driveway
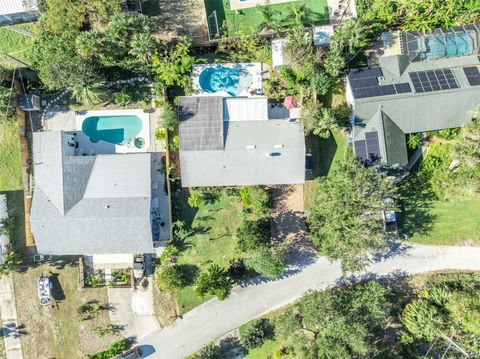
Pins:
x,y
133,311
214,318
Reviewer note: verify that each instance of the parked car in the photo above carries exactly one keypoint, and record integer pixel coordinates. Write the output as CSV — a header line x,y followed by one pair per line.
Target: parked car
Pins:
x,y
134,353
309,164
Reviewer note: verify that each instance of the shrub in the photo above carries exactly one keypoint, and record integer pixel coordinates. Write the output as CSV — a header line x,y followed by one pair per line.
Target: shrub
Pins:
x,y
288,76
160,134
256,199
256,334
267,262
215,281
414,141
210,351
170,277
321,83
254,234
113,350
194,199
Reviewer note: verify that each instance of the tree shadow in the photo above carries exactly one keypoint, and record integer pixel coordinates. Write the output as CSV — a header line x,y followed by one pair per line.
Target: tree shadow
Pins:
x,y
394,248
57,291
199,229
323,151
190,272
13,330
415,202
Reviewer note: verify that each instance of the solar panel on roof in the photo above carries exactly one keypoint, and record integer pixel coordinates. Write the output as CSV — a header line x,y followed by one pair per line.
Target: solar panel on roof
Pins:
x,y
403,87
473,75
433,80
373,148
361,150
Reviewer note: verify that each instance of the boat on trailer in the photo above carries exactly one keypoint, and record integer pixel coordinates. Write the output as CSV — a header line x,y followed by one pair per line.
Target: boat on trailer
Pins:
x,y
44,290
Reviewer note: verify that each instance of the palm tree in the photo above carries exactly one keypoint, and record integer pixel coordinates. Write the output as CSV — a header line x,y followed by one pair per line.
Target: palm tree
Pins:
x,y
87,93
141,47
299,15
269,15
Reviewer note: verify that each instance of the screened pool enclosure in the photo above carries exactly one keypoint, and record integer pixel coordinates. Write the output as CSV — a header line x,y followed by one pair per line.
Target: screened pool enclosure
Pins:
x,y
439,43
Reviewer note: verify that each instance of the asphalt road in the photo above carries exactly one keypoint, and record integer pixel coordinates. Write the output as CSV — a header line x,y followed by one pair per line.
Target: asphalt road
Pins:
x,y
214,318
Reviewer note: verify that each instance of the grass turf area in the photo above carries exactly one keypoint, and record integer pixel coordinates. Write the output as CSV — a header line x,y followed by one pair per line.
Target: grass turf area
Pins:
x,y
250,20
10,174
15,44
448,223
326,154
213,241
58,332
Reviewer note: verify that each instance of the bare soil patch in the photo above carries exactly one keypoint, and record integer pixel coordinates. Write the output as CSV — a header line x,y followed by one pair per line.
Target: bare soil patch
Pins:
x,y
58,331
165,307
288,221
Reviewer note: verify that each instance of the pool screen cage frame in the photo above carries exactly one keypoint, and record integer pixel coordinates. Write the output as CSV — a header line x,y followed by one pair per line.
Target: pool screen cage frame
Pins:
x,y
212,24
412,43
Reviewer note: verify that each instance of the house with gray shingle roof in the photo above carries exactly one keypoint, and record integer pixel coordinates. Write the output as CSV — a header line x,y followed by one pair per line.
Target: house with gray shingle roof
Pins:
x,y
89,205
233,142
428,81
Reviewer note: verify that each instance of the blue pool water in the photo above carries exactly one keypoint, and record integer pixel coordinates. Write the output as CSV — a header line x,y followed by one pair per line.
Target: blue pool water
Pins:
x,y
448,45
112,129
220,78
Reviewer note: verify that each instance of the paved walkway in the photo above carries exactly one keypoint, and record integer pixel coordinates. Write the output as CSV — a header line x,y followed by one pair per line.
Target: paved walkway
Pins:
x,y
215,318
10,328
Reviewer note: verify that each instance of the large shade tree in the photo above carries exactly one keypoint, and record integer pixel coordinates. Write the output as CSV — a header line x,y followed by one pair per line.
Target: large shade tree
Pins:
x,y
339,323
345,222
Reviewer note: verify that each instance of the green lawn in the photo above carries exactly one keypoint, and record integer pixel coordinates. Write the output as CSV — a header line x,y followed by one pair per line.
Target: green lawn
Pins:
x,y
326,154
214,226
250,20
10,175
14,44
453,223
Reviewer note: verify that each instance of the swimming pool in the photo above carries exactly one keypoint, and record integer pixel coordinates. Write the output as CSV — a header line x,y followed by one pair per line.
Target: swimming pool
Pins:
x,y
117,130
220,78
447,45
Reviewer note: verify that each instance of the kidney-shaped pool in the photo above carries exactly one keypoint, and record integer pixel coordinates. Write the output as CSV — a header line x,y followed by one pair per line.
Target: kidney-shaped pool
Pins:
x,y
113,129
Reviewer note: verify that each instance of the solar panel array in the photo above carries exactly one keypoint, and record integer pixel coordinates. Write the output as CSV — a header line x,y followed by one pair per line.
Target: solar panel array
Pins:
x,y
368,149
201,123
433,80
473,75
364,83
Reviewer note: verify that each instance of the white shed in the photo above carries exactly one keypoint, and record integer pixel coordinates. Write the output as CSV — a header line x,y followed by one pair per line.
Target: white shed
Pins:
x,y
16,11
278,54
322,35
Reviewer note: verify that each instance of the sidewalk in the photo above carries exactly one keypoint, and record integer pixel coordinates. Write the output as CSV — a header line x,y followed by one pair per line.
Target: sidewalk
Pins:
x,y
11,334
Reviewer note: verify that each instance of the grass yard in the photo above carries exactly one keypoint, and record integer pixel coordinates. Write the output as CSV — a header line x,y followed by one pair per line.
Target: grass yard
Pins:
x,y
250,20
453,223
58,332
10,175
14,44
212,241
326,154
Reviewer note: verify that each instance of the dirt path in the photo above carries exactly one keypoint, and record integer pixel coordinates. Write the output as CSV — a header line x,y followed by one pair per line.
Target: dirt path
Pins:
x,y
288,223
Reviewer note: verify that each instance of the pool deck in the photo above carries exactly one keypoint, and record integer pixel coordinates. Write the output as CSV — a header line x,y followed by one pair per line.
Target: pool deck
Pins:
x,y
106,147
254,69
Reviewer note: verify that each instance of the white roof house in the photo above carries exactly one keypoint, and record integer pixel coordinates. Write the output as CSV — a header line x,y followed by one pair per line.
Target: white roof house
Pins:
x,y
241,148
17,11
278,54
87,205
322,35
